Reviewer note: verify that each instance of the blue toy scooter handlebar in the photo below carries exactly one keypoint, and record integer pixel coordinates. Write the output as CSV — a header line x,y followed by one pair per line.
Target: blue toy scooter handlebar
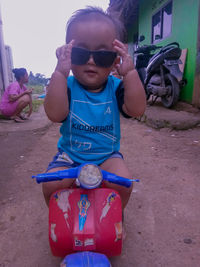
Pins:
x,y
113,178
56,176
73,173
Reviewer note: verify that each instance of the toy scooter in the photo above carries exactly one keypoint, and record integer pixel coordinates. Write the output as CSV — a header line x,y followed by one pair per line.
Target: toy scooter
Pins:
x,y
87,218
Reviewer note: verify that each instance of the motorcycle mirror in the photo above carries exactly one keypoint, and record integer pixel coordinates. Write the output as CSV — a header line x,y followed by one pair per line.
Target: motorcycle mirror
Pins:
x,y
141,38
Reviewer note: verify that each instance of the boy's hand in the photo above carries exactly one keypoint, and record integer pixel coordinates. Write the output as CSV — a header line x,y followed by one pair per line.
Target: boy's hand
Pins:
x,y
63,55
127,63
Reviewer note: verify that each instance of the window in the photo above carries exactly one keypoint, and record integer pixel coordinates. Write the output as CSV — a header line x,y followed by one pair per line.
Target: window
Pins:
x,y
162,23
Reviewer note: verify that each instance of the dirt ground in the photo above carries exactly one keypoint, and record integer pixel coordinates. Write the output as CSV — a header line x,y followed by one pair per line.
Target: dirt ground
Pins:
x,y
162,217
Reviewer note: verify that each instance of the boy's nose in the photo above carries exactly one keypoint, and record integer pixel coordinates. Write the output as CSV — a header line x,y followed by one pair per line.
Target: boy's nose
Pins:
x,y
91,60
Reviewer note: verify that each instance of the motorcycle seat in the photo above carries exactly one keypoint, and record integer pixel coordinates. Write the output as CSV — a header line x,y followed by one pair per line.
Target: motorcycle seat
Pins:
x,y
173,53
158,59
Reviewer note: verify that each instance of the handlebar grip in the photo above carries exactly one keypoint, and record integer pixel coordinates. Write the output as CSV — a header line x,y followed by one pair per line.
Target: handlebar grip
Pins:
x,y
56,176
112,178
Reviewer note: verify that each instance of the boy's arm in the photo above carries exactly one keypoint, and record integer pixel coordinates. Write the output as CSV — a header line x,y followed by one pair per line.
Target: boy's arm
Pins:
x,y
56,101
134,94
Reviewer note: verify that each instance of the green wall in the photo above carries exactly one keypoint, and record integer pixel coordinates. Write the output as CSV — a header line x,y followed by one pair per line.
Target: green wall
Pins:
x,y
184,31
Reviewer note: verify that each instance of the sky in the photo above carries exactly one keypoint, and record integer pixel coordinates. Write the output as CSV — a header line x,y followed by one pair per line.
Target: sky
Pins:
x,y
35,28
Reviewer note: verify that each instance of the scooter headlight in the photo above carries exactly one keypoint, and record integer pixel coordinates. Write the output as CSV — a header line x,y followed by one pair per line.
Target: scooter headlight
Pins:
x,y
90,176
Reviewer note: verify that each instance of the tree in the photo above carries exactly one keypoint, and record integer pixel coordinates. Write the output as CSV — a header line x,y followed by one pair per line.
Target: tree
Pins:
x,y
37,79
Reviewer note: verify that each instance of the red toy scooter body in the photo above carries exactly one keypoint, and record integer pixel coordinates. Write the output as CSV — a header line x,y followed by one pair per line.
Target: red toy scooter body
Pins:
x,y
85,220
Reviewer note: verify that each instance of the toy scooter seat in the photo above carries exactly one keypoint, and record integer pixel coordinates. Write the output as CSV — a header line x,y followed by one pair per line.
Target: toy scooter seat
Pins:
x,y
85,259
85,220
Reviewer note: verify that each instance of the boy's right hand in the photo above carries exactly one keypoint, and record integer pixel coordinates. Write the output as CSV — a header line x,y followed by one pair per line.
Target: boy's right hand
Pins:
x,y
63,55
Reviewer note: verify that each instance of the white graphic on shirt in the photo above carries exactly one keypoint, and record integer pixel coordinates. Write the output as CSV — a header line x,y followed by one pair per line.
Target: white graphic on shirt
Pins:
x,y
85,145
108,111
108,131
78,144
113,138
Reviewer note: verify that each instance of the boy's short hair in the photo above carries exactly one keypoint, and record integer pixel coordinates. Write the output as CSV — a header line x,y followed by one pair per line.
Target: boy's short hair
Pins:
x,y
83,14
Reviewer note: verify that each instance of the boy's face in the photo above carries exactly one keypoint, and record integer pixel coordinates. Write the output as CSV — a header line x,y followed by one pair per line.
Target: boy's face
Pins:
x,y
94,36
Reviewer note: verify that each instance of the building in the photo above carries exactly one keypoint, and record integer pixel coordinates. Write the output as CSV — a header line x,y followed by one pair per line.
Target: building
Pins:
x,y
163,22
6,62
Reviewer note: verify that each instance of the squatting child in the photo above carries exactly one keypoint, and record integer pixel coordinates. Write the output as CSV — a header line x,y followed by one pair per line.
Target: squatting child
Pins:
x,y
89,103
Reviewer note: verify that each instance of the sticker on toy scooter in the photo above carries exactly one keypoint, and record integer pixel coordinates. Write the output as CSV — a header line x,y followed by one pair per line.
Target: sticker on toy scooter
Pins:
x,y
62,200
83,205
89,242
118,231
53,235
111,197
78,243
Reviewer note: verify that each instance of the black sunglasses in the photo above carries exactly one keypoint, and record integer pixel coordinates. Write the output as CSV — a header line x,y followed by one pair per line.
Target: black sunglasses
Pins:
x,y
102,58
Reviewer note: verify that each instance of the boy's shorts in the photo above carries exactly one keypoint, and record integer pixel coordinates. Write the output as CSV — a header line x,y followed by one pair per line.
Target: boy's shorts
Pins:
x,y
61,159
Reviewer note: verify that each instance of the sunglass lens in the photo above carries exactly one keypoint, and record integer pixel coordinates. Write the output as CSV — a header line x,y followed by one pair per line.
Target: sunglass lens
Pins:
x,y
104,58
79,56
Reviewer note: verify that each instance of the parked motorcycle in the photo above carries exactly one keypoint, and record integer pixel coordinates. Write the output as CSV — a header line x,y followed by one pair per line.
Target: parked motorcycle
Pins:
x,y
86,219
160,72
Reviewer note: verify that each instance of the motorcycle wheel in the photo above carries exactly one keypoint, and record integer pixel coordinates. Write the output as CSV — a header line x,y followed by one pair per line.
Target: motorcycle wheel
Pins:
x,y
147,93
169,101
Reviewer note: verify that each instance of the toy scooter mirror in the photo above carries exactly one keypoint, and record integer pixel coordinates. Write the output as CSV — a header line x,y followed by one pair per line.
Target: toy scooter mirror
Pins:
x,y
90,176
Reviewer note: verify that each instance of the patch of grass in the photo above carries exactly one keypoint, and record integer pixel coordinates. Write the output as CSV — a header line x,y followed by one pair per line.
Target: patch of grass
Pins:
x,y
37,89
2,117
36,104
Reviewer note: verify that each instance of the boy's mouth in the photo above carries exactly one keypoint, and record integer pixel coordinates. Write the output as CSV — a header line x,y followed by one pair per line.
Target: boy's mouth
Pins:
x,y
90,72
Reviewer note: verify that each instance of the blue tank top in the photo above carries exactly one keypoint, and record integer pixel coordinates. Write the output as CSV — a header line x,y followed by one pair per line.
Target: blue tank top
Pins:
x,y
91,131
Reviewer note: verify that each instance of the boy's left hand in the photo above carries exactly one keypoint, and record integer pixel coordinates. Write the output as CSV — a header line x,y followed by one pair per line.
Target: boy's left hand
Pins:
x,y
63,55
127,63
